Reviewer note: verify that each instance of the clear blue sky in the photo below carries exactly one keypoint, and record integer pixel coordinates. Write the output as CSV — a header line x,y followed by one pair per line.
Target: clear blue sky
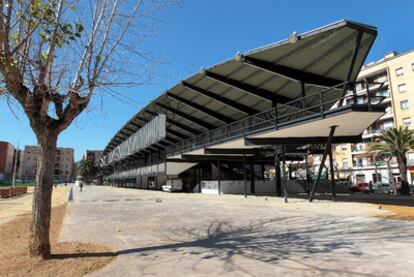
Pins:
x,y
201,33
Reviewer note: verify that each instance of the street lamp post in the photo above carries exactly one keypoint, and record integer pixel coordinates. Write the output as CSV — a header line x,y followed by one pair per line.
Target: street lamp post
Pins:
x,y
15,166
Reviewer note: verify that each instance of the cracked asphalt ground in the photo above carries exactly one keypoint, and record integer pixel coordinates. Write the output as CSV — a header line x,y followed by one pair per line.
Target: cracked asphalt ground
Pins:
x,y
161,234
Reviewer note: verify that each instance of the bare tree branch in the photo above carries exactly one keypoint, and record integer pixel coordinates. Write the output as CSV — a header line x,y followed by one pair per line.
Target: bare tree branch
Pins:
x,y
52,65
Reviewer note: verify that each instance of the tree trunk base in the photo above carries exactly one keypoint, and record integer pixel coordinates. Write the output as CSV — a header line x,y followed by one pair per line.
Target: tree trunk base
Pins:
x,y
39,250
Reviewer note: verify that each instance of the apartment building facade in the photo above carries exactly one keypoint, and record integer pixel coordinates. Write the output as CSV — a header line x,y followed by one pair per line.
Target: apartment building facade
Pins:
x,y
93,155
6,160
392,79
64,163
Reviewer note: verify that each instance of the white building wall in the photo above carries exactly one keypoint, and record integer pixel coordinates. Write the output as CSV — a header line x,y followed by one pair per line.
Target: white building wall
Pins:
x,y
266,187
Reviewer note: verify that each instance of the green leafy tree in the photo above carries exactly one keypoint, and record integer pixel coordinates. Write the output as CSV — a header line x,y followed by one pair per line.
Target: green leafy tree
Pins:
x,y
87,169
54,56
396,142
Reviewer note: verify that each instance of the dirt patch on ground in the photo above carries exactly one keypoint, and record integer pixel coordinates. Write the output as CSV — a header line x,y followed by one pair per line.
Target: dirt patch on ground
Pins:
x,y
68,259
399,212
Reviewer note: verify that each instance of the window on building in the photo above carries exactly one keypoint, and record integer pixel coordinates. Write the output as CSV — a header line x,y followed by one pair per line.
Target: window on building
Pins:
x,y
345,163
383,93
361,100
412,66
404,105
407,121
399,71
402,88
381,79
388,125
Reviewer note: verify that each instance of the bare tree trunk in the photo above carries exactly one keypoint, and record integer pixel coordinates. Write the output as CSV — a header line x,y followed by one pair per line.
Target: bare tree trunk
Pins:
x,y
390,177
402,164
42,195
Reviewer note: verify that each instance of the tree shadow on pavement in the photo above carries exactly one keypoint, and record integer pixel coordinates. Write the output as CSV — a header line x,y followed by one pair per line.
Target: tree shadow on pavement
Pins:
x,y
269,240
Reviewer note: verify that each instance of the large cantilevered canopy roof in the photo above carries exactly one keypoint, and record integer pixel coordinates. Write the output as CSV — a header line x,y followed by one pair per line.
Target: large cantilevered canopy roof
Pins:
x,y
255,81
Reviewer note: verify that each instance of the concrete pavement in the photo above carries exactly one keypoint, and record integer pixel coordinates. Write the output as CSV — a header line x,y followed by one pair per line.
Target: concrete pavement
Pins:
x,y
160,234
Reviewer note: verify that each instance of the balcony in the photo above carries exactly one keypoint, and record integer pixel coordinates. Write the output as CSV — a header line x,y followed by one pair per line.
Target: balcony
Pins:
x,y
387,116
356,151
373,165
371,133
378,88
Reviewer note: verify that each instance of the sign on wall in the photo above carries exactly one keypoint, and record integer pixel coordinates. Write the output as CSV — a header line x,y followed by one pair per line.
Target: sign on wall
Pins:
x,y
151,133
151,170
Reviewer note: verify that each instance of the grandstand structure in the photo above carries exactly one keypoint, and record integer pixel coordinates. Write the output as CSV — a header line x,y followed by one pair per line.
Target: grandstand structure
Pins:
x,y
223,129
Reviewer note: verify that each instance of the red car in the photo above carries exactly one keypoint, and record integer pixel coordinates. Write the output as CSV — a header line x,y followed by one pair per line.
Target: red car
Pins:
x,y
360,187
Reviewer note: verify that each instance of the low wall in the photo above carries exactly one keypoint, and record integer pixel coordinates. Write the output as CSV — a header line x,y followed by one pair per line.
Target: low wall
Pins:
x,y
234,187
267,187
209,187
10,192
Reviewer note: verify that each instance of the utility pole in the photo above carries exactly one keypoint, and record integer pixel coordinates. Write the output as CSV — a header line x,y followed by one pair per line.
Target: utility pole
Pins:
x,y
15,166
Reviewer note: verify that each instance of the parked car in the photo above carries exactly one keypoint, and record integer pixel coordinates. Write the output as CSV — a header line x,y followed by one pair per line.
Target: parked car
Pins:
x,y
173,185
383,188
360,187
79,181
343,183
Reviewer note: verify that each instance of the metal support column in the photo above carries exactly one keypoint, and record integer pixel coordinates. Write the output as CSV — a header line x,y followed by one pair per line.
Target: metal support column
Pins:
x,y
285,193
252,181
307,175
368,94
218,177
354,94
277,174
325,154
244,176
352,62
262,170
303,93
199,177
332,174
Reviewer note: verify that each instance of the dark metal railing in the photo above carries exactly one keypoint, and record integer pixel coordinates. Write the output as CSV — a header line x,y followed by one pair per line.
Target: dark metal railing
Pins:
x,y
308,107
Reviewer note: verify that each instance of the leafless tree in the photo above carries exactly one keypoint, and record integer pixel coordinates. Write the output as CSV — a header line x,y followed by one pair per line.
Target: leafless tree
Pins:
x,y
55,55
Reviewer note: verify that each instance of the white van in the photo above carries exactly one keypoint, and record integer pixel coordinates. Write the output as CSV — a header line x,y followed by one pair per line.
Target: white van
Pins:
x,y
79,181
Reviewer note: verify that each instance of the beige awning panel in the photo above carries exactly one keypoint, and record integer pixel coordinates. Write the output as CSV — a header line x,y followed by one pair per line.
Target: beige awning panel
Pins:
x,y
177,168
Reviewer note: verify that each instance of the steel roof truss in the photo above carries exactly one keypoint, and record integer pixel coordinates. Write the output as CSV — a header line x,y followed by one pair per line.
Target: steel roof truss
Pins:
x,y
290,73
267,95
201,108
230,103
193,119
